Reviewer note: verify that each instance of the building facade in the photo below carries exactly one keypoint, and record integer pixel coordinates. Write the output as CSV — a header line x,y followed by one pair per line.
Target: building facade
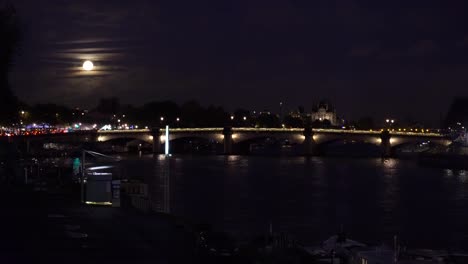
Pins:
x,y
324,111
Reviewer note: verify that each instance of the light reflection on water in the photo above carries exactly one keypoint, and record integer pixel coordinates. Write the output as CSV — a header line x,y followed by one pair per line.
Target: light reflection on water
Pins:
x,y
310,198
448,173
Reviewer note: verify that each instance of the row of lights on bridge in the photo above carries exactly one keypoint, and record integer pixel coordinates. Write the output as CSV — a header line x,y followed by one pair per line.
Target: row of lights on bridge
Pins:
x,y
244,118
162,119
404,130
391,121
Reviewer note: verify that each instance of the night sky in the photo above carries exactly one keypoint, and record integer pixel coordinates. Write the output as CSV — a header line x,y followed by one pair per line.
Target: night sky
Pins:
x,y
402,59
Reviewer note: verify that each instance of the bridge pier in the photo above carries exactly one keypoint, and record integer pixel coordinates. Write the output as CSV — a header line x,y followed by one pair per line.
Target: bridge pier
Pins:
x,y
385,146
227,140
309,142
156,134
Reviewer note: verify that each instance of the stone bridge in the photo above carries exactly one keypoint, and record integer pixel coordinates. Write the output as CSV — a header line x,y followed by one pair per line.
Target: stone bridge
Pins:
x,y
311,139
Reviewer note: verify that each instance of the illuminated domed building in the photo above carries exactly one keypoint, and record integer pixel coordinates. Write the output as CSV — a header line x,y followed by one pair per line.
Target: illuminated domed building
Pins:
x,y
324,111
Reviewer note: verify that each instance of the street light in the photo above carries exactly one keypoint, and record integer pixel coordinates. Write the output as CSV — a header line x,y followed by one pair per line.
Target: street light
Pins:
x,y
232,117
162,118
177,119
245,118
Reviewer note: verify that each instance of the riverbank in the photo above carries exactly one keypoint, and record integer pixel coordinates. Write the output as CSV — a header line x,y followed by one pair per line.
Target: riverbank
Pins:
x,y
47,228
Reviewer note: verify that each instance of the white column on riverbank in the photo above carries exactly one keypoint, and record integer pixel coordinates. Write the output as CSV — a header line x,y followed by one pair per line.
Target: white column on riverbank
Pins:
x,y
166,143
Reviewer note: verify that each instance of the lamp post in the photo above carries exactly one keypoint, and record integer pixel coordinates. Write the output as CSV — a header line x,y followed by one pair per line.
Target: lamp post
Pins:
x,y
22,117
281,111
389,122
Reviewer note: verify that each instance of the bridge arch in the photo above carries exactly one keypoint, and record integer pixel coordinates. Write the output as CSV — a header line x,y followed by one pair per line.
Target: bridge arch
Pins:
x,y
208,136
239,138
116,136
194,144
399,143
324,139
267,143
351,147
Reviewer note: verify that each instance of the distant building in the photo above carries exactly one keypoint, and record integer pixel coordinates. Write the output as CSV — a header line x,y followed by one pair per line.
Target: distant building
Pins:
x,y
324,111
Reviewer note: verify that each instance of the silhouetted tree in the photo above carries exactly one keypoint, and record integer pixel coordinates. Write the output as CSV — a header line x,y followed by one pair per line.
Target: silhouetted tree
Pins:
x,y
192,114
239,115
49,113
215,116
293,121
365,123
150,114
267,120
109,106
10,38
301,109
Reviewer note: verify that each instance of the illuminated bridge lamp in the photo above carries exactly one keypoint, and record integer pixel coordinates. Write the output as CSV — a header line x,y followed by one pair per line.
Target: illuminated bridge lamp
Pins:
x,y
166,142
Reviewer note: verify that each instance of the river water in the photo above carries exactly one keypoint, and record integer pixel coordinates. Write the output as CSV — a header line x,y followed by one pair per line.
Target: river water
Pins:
x,y
312,198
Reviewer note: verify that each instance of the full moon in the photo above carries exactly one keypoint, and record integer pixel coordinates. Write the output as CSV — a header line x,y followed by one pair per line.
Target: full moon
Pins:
x,y
88,65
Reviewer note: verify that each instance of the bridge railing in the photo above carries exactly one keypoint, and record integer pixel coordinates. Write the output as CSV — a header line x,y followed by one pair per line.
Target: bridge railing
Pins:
x,y
427,134
206,129
124,131
420,133
261,129
279,130
344,131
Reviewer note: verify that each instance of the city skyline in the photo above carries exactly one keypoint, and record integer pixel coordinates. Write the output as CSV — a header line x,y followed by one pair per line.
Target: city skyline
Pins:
x,y
367,58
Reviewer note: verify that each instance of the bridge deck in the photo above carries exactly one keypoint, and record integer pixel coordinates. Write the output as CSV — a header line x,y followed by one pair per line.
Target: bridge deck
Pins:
x,y
276,130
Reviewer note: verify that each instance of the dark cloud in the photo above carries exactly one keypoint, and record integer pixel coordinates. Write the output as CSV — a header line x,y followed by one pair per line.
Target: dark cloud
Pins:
x,y
367,56
363,51
423,48
463,43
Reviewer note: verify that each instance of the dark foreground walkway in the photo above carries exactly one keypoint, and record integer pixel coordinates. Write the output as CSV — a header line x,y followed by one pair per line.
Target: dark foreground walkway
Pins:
x,y
43,228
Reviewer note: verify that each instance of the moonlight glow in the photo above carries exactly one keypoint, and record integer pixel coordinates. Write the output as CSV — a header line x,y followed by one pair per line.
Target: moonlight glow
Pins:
x,y
88,65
